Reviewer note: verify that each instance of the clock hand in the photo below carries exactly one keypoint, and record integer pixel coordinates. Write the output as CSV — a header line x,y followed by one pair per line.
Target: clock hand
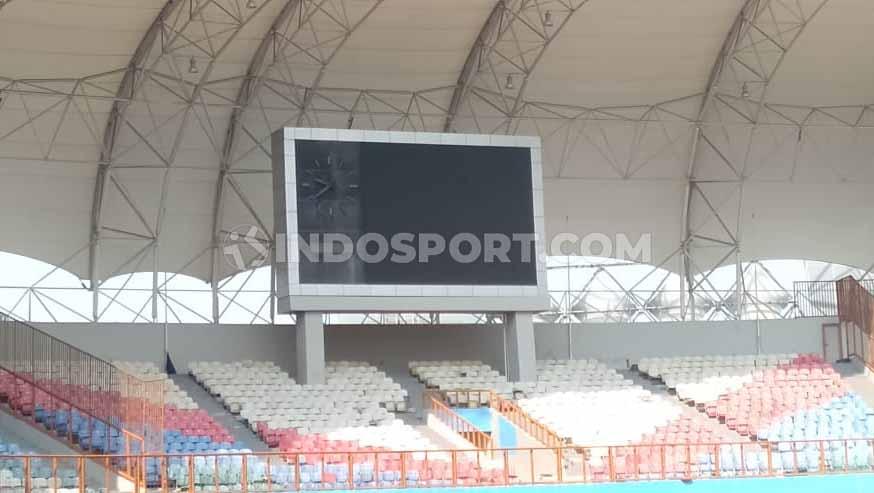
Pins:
x,y
323,191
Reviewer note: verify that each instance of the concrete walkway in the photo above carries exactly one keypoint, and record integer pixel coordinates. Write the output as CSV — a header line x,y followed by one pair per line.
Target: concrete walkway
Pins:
x,y
854,374
435,438
415,391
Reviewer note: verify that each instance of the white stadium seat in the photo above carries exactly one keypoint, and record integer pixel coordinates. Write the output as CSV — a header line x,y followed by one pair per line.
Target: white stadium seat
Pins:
x,y
354,394
704,378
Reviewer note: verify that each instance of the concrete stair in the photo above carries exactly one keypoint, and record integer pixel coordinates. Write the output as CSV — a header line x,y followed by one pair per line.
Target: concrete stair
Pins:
x,y
209,404
415,392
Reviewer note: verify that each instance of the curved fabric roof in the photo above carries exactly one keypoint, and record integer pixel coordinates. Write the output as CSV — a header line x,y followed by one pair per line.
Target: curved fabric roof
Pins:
x,y
133,133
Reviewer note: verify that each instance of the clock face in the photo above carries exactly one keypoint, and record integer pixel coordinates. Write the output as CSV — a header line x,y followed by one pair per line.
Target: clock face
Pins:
x,y
328,190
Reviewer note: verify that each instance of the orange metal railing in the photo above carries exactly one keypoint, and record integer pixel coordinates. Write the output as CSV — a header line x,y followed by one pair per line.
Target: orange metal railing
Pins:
x,y
507,408
525,422
456,423
856,308
268,472
131,443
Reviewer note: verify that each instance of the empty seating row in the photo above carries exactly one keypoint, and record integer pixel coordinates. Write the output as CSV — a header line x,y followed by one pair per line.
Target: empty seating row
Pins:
x,y
604,408
807,383
320,422
690,427
652,366
44,476
576,375
461,375
147,370
195,431
348,413
705,378
185,430
560,369
801,407
845,417
58,418
552,376
326,458
395,436
797,403
355,394
610,417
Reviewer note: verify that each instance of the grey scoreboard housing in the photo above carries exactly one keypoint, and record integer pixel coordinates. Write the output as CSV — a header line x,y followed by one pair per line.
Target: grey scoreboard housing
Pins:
x,y
299,292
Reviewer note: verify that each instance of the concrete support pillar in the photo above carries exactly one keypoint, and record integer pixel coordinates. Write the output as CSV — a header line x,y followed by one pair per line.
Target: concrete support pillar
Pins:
x,y
521,358
310,350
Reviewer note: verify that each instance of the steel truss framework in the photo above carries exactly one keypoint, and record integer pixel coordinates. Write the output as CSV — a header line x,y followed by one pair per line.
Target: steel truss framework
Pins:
x,y
721,157
583,290
177,88
607,290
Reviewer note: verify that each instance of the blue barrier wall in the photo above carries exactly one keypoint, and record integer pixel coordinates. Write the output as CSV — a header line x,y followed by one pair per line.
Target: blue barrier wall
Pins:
x,y
487,420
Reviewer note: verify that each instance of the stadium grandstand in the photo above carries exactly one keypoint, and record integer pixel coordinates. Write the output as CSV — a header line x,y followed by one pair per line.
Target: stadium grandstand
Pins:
x,y
268,246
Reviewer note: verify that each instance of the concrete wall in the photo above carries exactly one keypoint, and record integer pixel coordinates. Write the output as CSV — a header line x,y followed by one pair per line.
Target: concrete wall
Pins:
x,y
798,336
392,347
187,342
616,343
388,346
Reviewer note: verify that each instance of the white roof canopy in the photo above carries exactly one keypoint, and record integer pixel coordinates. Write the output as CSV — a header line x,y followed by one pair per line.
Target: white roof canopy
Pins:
x,y
134,134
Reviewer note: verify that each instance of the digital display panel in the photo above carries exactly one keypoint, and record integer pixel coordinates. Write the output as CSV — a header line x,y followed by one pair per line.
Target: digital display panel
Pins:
x,y
472,206
408,222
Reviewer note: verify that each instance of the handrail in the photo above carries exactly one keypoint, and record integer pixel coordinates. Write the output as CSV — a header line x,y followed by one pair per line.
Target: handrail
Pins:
x,y
509,410
814,299
856,307
458,424
525,422
817,299
68,405
64,377
8,317
297,471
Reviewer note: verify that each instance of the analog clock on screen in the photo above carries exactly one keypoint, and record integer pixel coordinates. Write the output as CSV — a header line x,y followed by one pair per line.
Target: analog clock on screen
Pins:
x,y
328,190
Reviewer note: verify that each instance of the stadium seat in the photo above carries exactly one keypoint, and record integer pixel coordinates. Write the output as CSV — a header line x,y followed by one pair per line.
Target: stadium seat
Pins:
x,y
701,379
12,470
354,394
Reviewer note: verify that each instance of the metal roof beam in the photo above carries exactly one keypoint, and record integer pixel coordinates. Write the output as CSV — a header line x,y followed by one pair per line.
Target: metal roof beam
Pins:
x,y
200,31
750,57
315,29
505,55
126,91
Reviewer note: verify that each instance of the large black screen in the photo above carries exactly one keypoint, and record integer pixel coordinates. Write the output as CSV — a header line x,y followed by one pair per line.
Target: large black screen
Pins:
x,y
368,190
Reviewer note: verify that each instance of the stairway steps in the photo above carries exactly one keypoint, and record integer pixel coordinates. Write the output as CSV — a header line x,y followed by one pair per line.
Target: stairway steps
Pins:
x,y
209,404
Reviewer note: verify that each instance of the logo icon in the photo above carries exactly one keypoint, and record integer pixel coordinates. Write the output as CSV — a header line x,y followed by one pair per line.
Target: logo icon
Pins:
x,y
245,248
